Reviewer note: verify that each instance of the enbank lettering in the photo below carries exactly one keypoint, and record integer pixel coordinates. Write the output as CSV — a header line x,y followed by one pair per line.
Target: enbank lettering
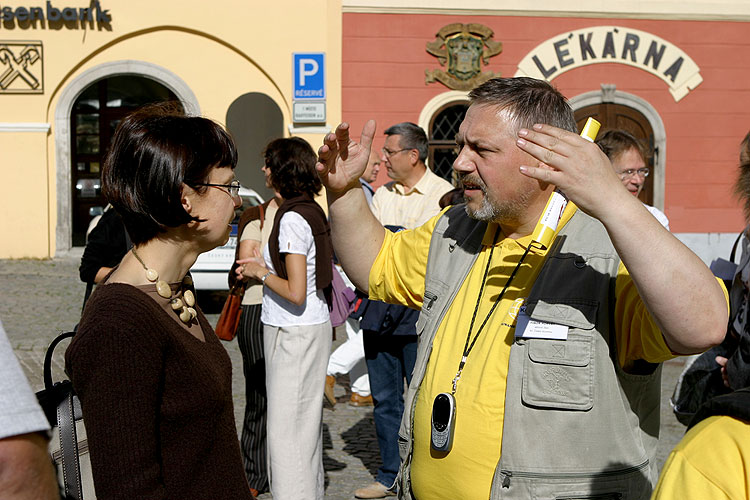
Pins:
x,y
613,44
55,15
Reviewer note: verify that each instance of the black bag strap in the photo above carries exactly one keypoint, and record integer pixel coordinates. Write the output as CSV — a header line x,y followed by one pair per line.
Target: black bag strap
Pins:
x,y
48,357
734,247
71,468
66,423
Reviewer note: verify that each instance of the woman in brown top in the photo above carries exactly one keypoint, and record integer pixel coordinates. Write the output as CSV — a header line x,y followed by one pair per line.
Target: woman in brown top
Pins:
x,y
153,379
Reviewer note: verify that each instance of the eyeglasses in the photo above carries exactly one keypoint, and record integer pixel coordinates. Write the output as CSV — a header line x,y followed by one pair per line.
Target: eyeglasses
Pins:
x,y
642,172
232,189
388,153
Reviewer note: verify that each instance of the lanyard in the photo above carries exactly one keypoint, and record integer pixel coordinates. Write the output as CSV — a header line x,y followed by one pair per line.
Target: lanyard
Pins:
x,y
468,347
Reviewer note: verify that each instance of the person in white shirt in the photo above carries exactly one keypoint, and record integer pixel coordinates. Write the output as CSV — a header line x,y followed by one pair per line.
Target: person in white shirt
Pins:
x,y
26,471
295,270
628,157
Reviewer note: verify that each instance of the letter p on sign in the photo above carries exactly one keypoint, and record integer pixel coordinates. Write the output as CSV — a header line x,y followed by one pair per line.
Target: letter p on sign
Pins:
x,y
307,67
309,75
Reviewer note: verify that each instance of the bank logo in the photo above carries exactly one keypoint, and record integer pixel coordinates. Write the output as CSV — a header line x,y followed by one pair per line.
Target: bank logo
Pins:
x,y
464,48
21,68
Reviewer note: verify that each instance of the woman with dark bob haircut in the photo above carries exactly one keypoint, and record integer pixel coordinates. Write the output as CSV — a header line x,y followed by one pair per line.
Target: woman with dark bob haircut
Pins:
x,y
296,271
153,379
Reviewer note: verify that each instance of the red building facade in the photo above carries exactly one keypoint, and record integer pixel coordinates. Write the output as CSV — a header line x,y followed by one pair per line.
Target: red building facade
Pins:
x,y
686,82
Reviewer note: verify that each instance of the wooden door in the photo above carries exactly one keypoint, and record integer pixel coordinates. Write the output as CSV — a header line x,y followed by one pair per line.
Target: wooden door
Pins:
x,y
616,116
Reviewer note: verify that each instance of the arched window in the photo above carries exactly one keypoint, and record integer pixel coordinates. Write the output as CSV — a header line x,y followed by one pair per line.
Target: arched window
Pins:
x,y
443,129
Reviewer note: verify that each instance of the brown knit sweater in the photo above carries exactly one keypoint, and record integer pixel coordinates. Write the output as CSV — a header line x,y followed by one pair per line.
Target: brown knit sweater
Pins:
x,y
157,402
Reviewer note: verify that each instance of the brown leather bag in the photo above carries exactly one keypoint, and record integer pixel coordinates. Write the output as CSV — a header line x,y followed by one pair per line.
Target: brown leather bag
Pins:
x,y
229,319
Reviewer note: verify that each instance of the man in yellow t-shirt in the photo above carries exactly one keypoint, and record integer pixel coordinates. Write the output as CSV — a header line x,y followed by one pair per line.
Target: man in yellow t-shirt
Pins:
x,y
665,303
476,447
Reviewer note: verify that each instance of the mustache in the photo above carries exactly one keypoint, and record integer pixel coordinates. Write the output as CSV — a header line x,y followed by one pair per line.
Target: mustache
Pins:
x,y
465,179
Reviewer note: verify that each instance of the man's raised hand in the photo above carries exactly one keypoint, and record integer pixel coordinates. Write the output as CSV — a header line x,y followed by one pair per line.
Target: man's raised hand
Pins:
x,y
576,166
342,161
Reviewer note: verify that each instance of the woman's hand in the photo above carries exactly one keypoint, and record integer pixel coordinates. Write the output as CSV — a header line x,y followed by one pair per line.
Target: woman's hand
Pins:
x,y
251,267
248,249
293,289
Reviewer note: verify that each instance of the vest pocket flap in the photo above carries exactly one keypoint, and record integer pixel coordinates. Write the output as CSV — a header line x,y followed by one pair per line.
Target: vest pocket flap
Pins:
x,y
566,352
559,374
575,313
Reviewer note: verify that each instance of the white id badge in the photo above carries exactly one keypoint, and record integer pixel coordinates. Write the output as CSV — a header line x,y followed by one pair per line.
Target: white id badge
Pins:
x,y
528,328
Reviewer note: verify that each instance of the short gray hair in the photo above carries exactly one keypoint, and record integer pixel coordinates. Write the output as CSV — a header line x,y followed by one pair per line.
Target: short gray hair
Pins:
x,y
529,101
412,137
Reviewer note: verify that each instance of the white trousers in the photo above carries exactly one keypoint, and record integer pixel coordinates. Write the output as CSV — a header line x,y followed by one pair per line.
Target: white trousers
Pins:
x,y
349,358
295,378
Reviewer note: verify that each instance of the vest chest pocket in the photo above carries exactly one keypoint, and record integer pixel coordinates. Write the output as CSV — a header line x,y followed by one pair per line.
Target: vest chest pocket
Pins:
x,y
559,374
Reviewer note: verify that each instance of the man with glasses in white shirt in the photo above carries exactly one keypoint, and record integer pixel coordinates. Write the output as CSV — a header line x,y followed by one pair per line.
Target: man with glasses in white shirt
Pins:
x,y
628,157
413,196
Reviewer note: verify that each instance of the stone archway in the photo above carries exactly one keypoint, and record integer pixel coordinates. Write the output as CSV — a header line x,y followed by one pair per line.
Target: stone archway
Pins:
x,y
62,129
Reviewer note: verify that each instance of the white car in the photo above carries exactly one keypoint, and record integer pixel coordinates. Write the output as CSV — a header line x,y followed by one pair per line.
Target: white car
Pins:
x,y
211,269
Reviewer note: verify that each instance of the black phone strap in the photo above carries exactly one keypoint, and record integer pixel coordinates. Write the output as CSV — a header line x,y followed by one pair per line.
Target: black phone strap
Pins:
x,y
469,346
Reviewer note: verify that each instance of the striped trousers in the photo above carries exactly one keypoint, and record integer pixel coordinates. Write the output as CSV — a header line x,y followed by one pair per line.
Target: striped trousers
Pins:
x,y
253,441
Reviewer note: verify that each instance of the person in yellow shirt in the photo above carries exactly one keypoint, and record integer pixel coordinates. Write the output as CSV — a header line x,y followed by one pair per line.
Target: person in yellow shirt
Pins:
x,y
713,459
548,357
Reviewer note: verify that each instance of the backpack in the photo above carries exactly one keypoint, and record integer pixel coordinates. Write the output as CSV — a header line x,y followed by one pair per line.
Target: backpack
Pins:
x,y
702,380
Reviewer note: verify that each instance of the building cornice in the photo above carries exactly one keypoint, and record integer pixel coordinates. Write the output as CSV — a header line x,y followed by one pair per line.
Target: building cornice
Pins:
x,y
24,127
737,14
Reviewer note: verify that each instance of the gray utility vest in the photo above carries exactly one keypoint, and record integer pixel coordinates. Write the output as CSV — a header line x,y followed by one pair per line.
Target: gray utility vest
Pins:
x,y
576,425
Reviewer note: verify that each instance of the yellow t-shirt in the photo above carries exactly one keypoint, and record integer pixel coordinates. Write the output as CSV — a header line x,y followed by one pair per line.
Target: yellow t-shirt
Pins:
x,y
712,462
398,276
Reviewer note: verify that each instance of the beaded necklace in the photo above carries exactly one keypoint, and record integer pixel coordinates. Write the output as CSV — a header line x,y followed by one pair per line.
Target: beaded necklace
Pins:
x,y
181,301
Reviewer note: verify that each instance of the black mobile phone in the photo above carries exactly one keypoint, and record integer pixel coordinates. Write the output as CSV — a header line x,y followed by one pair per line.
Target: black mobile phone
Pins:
x,y
443,422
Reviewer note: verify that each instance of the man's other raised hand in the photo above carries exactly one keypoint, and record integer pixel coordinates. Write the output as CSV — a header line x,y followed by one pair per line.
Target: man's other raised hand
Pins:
x,y
342,161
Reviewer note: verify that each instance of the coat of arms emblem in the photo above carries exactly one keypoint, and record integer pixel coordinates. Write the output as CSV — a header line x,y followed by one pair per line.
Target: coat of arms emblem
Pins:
x,y
464,48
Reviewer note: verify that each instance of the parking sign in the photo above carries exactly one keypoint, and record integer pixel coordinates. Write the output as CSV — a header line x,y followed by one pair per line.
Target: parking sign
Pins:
x,y
309,75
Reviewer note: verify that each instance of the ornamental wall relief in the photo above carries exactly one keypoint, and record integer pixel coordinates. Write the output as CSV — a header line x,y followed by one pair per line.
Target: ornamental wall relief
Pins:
x,y
463,49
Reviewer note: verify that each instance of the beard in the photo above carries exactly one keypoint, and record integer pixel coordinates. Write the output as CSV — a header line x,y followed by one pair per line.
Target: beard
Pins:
x,y
499,211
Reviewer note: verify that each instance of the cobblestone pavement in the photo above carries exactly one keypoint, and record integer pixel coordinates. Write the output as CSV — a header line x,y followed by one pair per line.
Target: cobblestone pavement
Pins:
x,y
41,298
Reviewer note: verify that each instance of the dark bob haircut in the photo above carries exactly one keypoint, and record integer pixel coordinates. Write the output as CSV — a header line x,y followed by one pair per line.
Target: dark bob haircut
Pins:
x,y
154,151
292,165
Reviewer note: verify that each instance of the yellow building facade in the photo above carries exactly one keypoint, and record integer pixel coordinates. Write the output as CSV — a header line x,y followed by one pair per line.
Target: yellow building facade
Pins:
x,y
70,69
